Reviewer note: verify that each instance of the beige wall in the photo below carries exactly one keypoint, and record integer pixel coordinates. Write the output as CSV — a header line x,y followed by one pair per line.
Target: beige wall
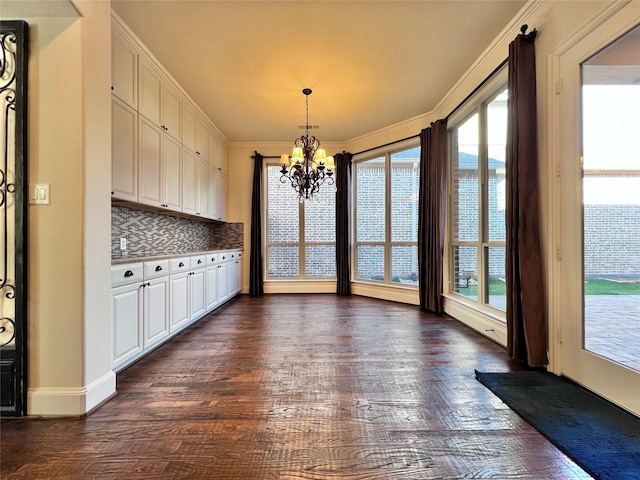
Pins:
x,y
68,241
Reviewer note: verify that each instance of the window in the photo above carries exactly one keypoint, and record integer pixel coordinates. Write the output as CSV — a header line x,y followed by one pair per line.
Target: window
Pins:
x,y
386,218
301,236
478,201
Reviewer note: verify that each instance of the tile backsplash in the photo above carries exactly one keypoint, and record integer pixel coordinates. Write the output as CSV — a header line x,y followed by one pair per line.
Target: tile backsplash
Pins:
x,y
151,233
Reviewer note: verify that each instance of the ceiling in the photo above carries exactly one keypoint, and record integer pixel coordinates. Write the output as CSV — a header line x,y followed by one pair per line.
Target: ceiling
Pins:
x,y
370,64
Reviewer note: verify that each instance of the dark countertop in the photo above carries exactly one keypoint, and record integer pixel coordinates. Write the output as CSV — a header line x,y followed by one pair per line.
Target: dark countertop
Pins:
x,y
127,259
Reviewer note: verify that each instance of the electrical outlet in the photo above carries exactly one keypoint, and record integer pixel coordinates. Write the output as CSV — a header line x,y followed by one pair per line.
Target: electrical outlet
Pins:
x,y
123,243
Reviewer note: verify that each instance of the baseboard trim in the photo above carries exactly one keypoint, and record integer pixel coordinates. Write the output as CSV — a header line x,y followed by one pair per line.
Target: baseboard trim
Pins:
x,y
71,402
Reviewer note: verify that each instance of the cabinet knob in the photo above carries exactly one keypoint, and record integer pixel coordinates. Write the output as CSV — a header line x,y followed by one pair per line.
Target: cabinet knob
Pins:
x,y
181,264
158,268
224,258
199,262
128,273
112,88
198,153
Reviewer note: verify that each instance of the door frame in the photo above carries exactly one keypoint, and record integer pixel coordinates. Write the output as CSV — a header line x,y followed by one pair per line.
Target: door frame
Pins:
x,y
565,294
13,361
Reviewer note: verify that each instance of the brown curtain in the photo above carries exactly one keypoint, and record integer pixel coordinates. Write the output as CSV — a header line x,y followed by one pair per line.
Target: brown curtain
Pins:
x,y
526,318
343,206
431,215
256,284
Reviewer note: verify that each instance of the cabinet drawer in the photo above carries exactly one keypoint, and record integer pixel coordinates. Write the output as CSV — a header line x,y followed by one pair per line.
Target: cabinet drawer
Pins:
x,y
197,262
177,265
213,258
126,273
155,269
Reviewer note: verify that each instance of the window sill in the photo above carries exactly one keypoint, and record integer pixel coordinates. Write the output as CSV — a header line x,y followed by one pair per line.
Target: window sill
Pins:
x,y
485,321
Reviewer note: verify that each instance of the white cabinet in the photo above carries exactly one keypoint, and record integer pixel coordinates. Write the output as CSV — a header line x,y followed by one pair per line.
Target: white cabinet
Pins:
x,y
188,127
222,197
197,287
171,174
235,273
223,279
139,308
203,188
124,69
202,138
189,191
149,92
214,174
171,111
149,162
124,151
158,100
211,280
126,313
179,293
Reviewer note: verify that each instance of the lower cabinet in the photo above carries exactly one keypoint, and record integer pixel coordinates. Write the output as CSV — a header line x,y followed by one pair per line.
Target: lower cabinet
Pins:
x,y
151,301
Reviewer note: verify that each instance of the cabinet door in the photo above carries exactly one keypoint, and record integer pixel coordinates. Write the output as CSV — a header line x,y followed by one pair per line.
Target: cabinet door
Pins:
x,y
223,282
211,286
156,311
188,128
203,188
178,301
126,321
124,71
222,157
238,277
149,92
190,195
171,173
171,111
202,139
198,305
149,162
124,151
213,193
222,197
214,152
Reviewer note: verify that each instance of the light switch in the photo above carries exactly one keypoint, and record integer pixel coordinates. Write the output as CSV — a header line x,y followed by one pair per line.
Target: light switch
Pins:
x,y
40,193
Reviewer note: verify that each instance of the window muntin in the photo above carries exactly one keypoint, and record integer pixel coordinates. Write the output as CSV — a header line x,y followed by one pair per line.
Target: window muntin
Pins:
x,y
478,203
300,235
386,217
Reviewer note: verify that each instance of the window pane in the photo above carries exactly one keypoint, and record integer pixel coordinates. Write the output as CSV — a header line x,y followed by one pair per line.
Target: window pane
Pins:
x,y
283,261
496,284
320,261
404,264
370,262
464,270
320,216
370,200
497,145
405,180
283,219
465,181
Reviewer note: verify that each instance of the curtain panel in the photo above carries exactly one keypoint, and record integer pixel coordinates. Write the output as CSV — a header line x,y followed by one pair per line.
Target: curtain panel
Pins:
x,y
343,208
526,316
431,215
256,283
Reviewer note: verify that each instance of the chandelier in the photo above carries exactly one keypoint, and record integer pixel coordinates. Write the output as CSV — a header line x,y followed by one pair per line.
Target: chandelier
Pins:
x,y
309,166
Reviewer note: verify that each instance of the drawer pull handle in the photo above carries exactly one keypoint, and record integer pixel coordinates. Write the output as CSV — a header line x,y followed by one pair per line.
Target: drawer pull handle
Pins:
x,y
128,273
181,264
158,268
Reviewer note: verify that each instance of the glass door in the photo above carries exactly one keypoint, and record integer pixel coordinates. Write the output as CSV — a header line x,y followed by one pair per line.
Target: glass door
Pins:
x,y
601,215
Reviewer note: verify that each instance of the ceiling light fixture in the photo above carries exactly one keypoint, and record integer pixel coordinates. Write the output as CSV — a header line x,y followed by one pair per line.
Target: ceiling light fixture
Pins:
x,y
309,166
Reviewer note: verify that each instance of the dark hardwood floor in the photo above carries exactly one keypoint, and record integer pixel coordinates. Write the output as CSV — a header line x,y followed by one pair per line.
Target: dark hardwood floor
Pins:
x,y
298,387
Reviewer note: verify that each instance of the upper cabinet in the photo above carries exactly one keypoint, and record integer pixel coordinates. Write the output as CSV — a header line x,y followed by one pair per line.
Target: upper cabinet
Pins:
x,y
124,69
163,146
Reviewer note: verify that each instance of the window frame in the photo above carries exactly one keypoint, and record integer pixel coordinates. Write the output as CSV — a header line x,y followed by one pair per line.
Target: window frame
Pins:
x,y
301,244
388,243
478,103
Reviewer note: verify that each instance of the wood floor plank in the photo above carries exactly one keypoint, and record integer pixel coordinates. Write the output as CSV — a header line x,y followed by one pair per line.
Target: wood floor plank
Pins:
x,y
298,387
